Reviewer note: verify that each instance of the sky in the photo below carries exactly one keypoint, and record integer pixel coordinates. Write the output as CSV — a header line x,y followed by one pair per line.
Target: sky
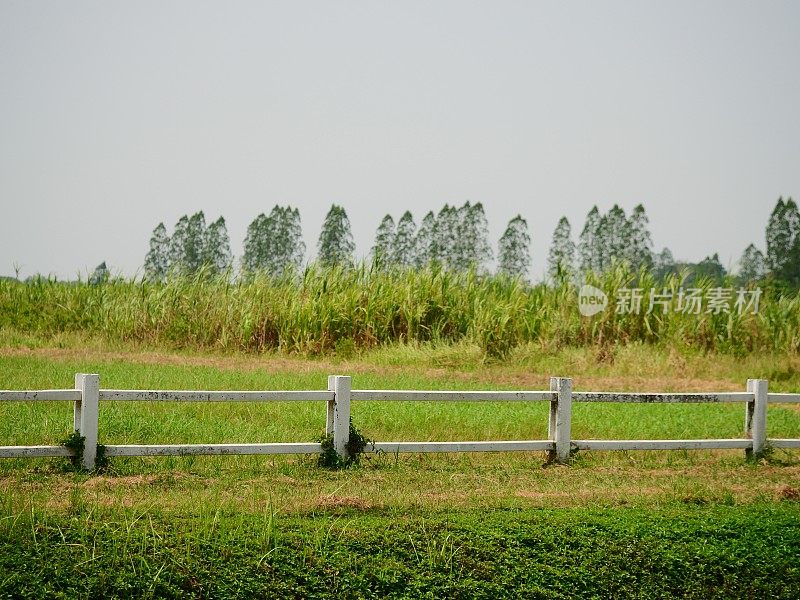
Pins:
x,y
115,116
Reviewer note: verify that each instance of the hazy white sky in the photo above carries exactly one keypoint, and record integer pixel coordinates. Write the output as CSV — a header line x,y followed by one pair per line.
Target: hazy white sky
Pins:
x,y
115,116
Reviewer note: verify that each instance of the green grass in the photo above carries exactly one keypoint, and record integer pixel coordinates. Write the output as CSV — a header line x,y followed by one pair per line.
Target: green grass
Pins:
x,y
646,524
346,310
502,479
682,551
122,423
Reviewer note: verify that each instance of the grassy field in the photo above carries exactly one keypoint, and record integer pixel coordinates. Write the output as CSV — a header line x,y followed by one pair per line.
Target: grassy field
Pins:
x,y
700,524
346,310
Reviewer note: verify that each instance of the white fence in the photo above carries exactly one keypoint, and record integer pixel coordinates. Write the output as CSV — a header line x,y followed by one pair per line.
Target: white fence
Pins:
x,y
87,397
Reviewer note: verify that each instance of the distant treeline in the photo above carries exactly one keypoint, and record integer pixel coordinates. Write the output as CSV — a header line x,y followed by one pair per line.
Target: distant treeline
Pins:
x,y
456,239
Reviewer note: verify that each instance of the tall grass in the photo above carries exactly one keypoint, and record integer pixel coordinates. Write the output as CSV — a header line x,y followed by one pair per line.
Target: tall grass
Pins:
x,y
324,310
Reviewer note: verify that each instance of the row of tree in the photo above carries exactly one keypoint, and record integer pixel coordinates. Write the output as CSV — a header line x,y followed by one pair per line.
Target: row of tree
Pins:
x,y
456,238
191,246
612,238
606,239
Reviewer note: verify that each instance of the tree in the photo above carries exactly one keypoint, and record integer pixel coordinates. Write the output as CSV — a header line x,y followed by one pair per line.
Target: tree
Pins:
x,y
335,245
187,249
292,247
217,247
514,249
589,254
404,246
274,244
561,259
194,249
255,255
177,245
191,247
612,238
783,242
445,231
156,263
639,246
100,274
424,241
383,249
752,265
471,247
663,264
711,268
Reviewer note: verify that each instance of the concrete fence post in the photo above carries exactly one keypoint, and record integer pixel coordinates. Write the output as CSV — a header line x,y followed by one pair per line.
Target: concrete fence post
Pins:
x,y
560,423
342,385
755,420
89,416
77,406
330,406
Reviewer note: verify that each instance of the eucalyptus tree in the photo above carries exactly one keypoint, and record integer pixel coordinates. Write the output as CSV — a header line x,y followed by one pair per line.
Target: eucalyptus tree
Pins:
x,y
445,230
177,247
404,249
588,244
638,248
613,235
783,242
274,244
663,264
561,258
424,241
471,247
194,248
217,248
752,265
514,254
156,263
383,249
335,245
99,275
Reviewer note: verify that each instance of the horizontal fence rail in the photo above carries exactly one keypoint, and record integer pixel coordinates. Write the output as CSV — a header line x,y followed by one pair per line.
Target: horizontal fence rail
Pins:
x,y
203,396
438,396
87,395
783,398
211,449
661,398
40,396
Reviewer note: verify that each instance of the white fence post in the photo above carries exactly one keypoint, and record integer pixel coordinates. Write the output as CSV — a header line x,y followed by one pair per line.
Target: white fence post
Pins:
x,y
77,406
755,420
330,405
90,409
560,424
341,414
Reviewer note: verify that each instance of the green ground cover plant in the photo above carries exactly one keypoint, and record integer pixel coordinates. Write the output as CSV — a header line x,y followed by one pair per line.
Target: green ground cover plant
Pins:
x,y
683,552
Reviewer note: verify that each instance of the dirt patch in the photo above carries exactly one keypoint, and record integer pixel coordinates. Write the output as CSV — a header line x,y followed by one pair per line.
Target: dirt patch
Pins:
x,y
159,480
787,492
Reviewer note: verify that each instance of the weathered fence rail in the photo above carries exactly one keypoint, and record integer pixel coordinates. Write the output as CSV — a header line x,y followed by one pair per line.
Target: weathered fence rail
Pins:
x,y
87,395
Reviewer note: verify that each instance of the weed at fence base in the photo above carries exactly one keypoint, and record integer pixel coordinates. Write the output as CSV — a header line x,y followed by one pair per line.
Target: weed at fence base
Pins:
x,y
355,446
